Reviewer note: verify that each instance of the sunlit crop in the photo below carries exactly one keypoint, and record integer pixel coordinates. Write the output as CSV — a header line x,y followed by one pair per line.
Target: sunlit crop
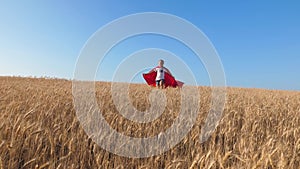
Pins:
x,y
39,128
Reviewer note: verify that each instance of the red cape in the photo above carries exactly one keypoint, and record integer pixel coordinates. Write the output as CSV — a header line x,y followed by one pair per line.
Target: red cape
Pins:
x,y
169,80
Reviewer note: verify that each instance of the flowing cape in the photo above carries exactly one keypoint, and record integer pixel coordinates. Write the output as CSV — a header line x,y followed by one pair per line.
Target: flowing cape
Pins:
x,y
169,80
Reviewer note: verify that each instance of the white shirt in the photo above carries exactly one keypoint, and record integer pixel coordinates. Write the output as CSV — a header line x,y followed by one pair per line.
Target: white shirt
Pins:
x,y
160,73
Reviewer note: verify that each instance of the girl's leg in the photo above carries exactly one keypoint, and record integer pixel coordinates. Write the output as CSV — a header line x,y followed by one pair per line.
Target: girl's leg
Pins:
x,y
162,84
158,83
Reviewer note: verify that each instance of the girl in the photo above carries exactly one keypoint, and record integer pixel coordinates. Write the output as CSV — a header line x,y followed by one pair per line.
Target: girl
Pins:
x,y
160,74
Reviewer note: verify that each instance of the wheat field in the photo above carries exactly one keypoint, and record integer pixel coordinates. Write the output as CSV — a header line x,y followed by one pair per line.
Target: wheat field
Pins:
x,y
39,128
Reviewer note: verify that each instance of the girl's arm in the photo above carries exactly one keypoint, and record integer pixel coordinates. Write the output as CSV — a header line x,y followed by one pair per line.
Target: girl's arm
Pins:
x,y
152,70
168,71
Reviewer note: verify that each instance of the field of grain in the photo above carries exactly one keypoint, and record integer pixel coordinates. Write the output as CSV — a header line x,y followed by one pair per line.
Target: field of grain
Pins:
x,y
39,129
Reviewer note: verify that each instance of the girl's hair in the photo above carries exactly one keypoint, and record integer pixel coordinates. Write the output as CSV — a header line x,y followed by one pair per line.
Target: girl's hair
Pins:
x,y
160,60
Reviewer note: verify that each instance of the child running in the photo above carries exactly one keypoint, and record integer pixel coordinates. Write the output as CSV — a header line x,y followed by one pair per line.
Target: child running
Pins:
x,y
160,76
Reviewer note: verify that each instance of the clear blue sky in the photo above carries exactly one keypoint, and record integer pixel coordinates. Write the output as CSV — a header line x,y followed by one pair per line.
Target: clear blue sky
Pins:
x,y
258,41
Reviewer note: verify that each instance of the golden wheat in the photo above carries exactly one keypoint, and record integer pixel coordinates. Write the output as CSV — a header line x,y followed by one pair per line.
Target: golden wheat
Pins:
x,y
39,128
